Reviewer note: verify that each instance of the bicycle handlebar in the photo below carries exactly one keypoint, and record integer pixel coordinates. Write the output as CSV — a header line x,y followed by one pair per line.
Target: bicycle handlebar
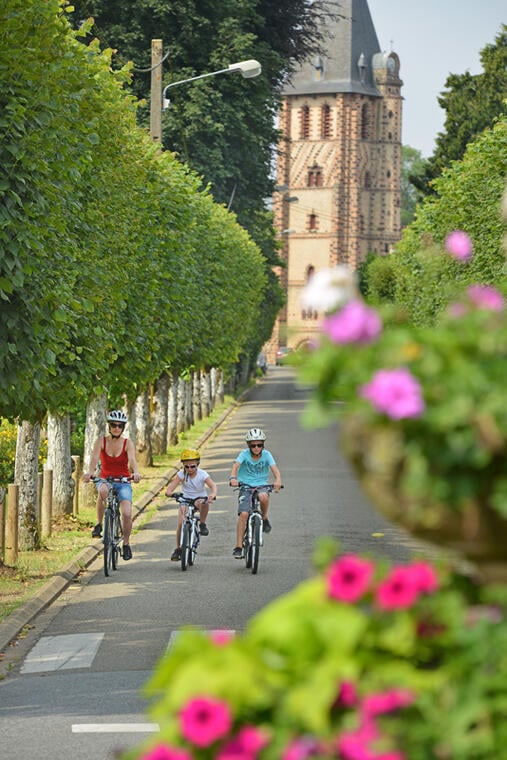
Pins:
x,y
113,480
267,487
188,499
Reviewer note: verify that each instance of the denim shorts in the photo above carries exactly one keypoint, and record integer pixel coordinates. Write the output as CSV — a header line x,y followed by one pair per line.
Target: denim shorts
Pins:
x,y
124,490
245,500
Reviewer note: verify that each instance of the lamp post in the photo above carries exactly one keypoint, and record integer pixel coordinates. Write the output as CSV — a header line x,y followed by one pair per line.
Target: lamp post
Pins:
x,y
248,70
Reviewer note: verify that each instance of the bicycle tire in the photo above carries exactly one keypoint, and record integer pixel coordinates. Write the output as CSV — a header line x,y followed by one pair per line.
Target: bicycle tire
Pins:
x,y
108,542
185,546
247,549
256,545
116,541
192,544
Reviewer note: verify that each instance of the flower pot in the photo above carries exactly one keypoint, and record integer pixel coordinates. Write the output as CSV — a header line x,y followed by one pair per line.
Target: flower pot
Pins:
x,y
377,454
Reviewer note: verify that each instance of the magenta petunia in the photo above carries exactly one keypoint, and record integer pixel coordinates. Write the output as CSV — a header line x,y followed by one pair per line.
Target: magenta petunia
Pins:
x,y
203,720
459,245
424,576
245,746
399,590
347,696
355,745
302,748
395,392
355,323
386,702
348,578
164,752
486,297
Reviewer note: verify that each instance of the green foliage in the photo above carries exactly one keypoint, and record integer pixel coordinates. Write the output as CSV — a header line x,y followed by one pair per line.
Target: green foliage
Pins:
x,y
8,439
412,168
104,265
302,672
472,103
468,197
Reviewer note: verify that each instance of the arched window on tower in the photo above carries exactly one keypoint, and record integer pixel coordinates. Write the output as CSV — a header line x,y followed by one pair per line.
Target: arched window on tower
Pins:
x,y
325,127
305,122
367,180
309,313
365,122
314,178
313,222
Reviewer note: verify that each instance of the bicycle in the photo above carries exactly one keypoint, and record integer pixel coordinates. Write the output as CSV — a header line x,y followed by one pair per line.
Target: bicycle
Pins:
x,y
190,529
253,535
112,531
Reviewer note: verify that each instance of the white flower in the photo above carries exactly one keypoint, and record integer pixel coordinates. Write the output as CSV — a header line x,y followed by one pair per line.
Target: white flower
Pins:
x,y
330,288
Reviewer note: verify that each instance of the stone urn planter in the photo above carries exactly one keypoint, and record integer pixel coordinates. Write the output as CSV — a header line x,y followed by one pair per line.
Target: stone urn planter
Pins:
x,y
473,529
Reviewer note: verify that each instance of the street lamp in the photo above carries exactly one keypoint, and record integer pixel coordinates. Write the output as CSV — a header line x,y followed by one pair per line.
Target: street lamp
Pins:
x,y
248,70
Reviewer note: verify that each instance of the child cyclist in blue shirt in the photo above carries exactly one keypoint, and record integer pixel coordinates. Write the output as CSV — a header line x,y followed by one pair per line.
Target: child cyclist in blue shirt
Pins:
x,y
252,468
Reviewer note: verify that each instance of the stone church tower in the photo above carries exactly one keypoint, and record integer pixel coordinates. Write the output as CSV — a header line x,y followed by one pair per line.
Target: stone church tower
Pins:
x,y
339,162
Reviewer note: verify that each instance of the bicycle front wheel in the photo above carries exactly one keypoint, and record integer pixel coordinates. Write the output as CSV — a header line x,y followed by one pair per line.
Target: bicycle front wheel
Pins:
x,y
192,545
256,545
108,542
186,548
115,553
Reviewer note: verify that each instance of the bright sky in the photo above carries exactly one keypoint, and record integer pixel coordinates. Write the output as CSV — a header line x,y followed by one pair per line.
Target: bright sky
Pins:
x,y
433,38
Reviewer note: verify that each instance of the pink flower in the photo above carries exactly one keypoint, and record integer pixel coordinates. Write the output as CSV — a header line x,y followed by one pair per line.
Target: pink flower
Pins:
x,y
459,245
355,323
348,578
386,702
302,748
399,590
221,637
425,577
486,297
164,752
347,696
395,392
245,746
204,720
354,745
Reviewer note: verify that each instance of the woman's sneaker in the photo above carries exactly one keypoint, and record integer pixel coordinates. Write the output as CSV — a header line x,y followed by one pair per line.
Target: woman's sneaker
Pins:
x,y
266,526
238,553
97,531
127,552
176,555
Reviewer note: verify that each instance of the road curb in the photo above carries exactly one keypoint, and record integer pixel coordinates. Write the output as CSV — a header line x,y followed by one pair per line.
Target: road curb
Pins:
x,y
23,616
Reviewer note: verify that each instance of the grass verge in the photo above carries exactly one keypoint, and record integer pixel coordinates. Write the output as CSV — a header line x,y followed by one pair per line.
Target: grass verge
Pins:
x,y
71,533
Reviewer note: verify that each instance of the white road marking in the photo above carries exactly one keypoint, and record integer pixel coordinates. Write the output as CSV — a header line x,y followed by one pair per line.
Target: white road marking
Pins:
x,y
76,650
114,728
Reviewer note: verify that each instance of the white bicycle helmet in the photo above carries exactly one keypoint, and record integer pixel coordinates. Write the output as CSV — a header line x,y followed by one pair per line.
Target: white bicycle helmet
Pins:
x,y
255,434
117,416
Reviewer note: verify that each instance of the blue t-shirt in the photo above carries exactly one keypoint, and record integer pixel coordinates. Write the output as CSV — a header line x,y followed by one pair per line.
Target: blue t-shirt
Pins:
x,y
251,472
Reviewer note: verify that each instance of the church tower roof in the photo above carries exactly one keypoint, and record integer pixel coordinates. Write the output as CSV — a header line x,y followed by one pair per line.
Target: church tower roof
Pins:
x,y
346,62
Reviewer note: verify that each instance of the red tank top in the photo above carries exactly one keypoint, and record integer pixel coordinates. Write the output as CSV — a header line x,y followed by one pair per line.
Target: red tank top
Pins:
x,y
114,467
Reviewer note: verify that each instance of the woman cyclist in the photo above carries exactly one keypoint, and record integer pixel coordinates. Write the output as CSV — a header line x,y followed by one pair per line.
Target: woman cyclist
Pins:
x,y
252,468
117,457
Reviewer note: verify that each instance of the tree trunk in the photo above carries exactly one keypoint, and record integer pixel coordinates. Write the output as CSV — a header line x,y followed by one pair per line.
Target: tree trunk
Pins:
x,y
143,431
26,478
213,377
60,461
172,410
205,393
189,406
196,395
159,420
181,417
94,428
220,390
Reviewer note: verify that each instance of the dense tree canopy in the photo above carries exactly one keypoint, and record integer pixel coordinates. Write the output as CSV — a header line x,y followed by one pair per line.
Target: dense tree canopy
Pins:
x,y
108,244
468,197
471,103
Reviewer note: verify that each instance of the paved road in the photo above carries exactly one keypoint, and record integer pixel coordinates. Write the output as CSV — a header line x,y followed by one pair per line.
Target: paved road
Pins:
x,y
74,687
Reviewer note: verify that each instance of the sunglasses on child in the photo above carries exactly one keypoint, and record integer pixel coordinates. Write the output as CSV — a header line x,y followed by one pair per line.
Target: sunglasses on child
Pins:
x,y
116,425
256,445
190,466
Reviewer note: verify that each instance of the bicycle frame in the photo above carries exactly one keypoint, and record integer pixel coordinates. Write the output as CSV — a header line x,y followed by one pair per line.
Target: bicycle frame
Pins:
x,y
112,531
190,530
253,535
